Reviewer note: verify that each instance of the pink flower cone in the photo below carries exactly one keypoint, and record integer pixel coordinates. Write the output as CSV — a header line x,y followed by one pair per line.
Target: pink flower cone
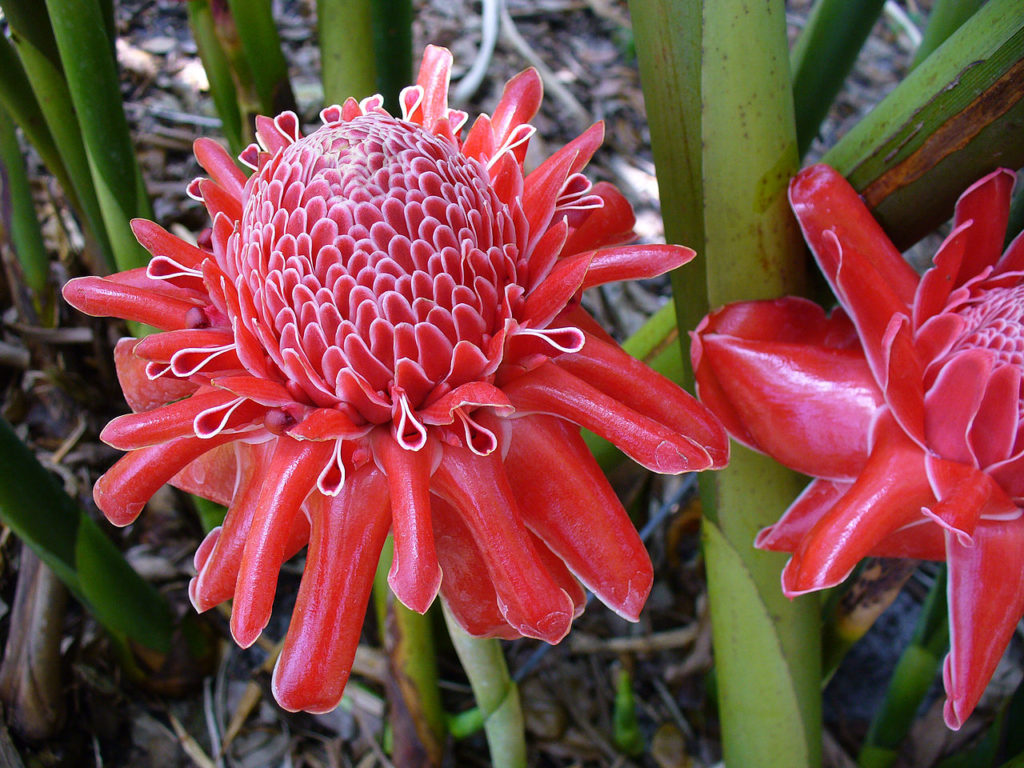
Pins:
x,y
386,336
905,405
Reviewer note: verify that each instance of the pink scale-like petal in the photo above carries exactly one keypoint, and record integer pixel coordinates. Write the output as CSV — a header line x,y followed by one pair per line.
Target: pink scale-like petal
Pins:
x,y
952,403
986,204
291,472
552,390
606,366
887,495
824,201
348,532
123,491
528,597
576,513
986,600
415,575
806,404
474,395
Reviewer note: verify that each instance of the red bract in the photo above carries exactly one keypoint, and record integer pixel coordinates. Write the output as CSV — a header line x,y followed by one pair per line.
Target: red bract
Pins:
x,y
386,336
905,404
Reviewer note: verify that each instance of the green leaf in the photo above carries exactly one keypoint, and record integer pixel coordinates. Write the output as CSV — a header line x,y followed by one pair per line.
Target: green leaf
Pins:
x,y
392,45
823,56
85,54
218,73
45,518
944,18
953,119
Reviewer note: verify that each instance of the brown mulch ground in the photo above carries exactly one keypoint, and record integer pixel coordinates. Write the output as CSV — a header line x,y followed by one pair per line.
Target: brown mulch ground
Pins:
x,y
58,388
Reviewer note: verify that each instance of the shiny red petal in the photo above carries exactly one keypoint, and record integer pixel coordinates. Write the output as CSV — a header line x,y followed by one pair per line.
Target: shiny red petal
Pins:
x,y
434,75
986,204
159,425
123,491
606,366
142,393
803,514
986,600
529,598
634,262
824,201
611,224
888,494
222,169
101,297
576,513
553,390
291,473
802,402
415,576
348,533
952,403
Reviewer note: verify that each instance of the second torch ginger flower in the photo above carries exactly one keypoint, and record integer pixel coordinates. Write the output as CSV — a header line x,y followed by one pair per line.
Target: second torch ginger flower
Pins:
x,y
385,336
905,404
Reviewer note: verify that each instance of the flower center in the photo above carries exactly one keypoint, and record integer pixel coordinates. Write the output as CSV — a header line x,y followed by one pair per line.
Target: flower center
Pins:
x,y
375,262
995,321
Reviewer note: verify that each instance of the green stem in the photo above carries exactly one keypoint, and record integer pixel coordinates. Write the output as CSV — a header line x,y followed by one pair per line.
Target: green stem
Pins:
x,y
668,44
347,64
496,695
257,32
392,44
767,648
417,716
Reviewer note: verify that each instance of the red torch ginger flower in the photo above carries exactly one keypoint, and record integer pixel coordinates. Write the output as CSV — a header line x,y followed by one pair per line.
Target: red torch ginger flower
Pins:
x,y
386,336
905,404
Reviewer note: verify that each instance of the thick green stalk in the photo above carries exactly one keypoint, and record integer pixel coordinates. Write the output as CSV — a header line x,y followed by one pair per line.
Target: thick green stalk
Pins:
x,y
911,680
953,119
392,45
262,45
85,54
218,73
416,713
33,38
945,18
347,63
73,546
767,647
496,695
668,45
18,220
823,56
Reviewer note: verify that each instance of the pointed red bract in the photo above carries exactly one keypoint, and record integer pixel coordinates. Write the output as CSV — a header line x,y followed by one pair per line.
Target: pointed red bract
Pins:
x,y
366,344
912,427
